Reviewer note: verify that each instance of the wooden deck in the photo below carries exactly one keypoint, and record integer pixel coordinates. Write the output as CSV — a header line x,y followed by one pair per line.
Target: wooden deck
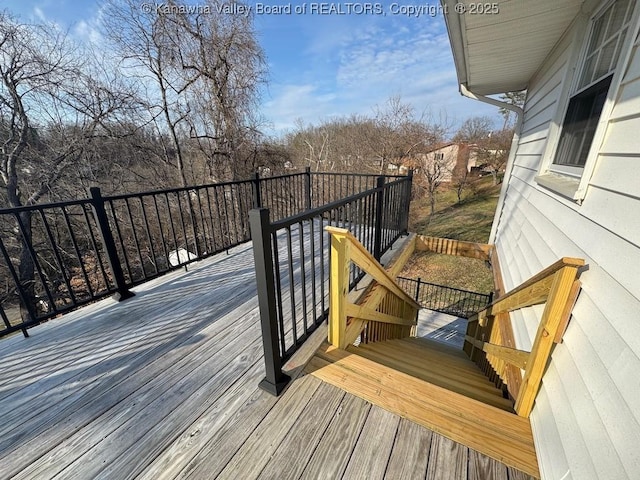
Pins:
x,y
164,386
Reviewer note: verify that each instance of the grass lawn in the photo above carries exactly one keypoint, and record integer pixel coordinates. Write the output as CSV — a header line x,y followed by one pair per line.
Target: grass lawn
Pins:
x,y
469,220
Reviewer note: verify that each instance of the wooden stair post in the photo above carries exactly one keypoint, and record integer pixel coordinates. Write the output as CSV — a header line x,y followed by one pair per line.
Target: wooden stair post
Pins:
x,y
555,312
387,311
338,289
557,287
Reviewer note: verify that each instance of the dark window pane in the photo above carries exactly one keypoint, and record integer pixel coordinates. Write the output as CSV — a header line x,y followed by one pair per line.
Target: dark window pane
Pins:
x,y
580,124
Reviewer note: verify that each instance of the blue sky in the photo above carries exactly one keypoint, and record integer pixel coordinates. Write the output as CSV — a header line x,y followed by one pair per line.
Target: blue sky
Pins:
x,y
327,65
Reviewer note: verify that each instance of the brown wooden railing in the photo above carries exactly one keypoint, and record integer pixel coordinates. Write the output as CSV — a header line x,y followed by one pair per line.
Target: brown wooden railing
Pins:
x,y
458,248
386,311
557,287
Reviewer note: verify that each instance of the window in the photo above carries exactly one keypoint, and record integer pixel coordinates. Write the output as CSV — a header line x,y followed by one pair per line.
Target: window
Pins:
x,y
608,31
580,124
439,157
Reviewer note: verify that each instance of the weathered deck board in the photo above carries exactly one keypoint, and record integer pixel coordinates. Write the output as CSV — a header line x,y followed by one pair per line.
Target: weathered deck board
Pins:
x,y
447,460
410,453
301,442
164,386
371,454
334,450
260,447
482,467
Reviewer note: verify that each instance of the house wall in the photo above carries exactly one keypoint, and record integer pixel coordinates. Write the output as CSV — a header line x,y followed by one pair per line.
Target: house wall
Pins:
x,y
448,162
586,419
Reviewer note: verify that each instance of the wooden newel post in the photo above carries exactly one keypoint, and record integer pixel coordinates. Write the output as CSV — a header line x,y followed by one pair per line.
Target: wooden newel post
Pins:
x,y
106,237
338,289
275,380
554,309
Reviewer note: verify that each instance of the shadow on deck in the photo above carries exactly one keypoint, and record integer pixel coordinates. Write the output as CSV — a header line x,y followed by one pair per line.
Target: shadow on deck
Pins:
x,y
165,386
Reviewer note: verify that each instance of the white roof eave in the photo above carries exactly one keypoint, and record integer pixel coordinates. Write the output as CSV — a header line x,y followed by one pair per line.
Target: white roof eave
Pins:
x,y
511,64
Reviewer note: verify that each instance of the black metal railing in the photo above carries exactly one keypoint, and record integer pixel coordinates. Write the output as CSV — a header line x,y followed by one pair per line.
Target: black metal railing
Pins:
x,y
59,256
292,262
452,301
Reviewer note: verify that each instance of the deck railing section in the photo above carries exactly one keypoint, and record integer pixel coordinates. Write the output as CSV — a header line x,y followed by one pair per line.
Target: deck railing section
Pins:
x,y
556,287
449,300
292,261
56,257
386,312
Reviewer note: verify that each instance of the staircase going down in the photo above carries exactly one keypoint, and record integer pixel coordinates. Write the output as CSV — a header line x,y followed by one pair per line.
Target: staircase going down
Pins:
x,y
436,386
438,364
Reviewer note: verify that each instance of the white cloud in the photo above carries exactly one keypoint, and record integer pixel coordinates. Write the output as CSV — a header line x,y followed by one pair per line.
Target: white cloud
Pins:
x,y
402,57
37,11
364,65
88,31
293,102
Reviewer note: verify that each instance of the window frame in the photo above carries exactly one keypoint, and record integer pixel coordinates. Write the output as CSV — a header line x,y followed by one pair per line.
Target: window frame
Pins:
x,y
603,85
567,180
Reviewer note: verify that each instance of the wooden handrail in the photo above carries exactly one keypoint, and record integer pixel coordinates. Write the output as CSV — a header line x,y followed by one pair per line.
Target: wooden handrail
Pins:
x,y
361,257
532,291
513,356
557,287
345,248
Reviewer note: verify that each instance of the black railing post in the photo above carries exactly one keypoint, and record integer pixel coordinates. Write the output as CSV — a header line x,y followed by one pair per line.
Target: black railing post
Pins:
x,y
97,203
406,203
418,291
377,234
255,190
275,380
307,185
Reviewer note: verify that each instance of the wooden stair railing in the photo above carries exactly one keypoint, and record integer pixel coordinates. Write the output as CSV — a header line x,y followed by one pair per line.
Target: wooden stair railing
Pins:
x,y
386,312
557,286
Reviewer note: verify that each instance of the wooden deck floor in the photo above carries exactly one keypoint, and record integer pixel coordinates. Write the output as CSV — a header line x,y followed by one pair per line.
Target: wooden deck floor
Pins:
x,y
164,385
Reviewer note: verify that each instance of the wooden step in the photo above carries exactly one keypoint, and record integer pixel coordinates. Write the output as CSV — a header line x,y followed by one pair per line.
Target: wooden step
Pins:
x,y
435,361
473,384
435,345
487,429
421,356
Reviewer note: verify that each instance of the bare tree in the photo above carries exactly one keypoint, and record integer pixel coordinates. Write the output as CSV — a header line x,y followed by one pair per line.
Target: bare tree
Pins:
x,y
393,135
435,169
512,98
399,133
474,130
146,51
491,146
460,181
224,66
52,106
202,70
494,153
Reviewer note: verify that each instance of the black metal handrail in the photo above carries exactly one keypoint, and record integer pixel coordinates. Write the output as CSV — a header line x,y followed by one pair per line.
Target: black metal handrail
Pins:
x,y
292,263
440,298
59,256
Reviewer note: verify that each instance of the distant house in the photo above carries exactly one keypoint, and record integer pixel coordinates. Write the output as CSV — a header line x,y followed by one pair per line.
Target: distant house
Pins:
x,y
571,189
454,158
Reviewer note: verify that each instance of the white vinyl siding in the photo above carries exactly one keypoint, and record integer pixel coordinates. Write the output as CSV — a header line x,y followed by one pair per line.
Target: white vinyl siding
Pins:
x,y
586,420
